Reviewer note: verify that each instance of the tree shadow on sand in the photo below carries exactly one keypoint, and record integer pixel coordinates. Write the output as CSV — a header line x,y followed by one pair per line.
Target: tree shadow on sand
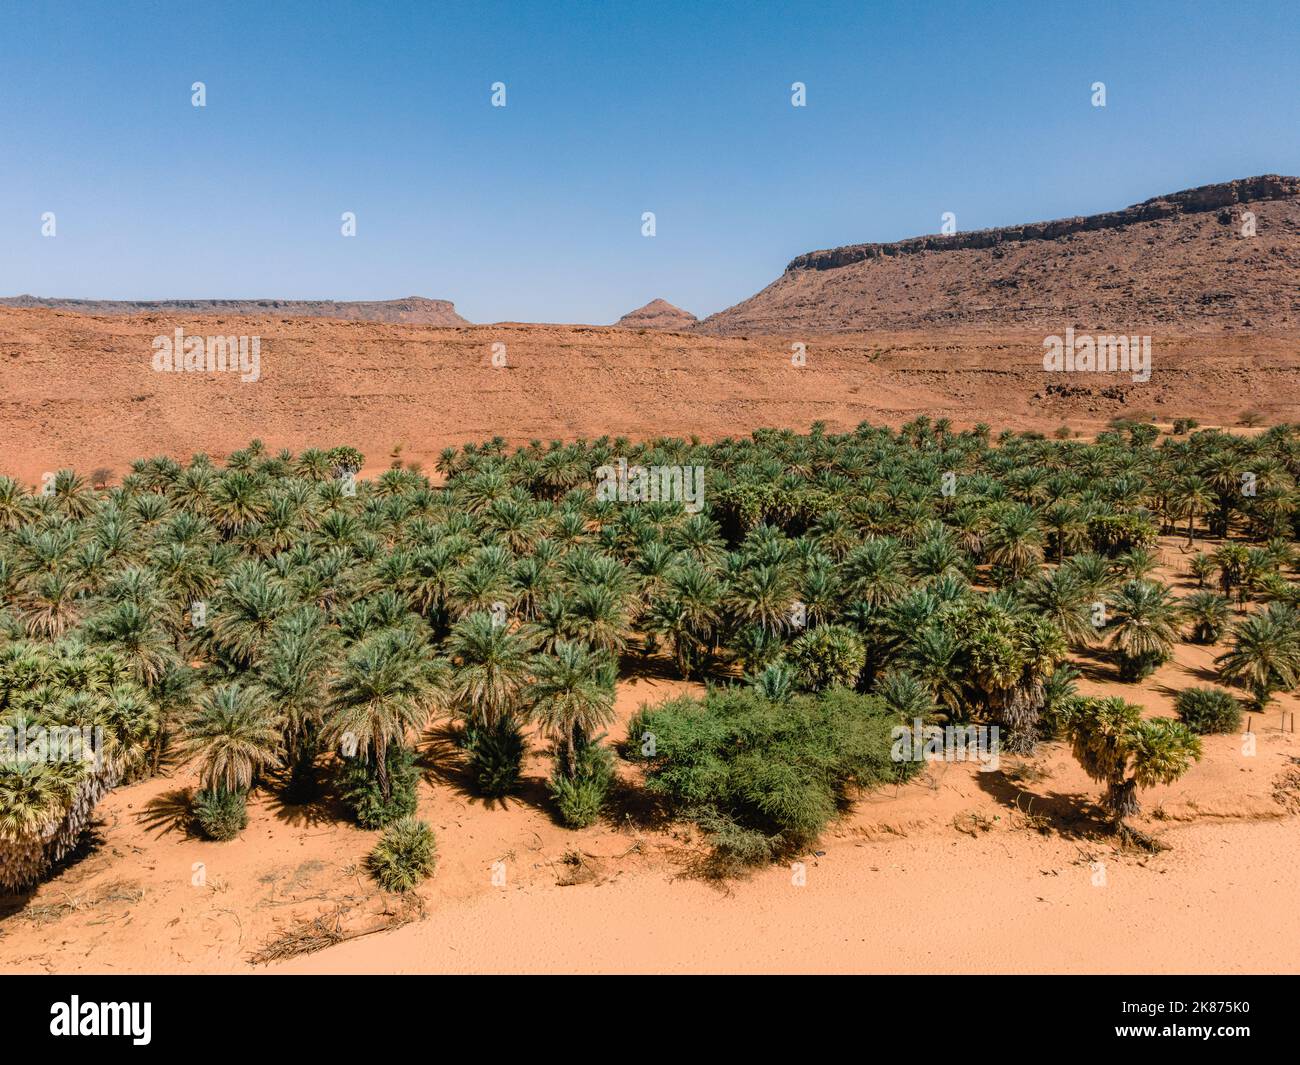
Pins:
x,y
168,812
1095,663
1070,815
324,808
442,759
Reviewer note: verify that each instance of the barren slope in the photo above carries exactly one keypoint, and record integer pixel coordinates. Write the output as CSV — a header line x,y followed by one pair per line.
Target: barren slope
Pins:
x,y
80,391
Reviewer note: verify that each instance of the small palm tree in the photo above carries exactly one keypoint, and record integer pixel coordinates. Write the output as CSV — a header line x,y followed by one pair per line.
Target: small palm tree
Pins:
x,y
1143,627
1208,613
1265,653
1118,748
571,696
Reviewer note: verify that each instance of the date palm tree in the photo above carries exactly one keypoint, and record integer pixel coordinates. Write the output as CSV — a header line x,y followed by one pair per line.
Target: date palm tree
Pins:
x,y
1015,542
491,666
385,690
234,734
571,697
1208,613
1265,653
1143,627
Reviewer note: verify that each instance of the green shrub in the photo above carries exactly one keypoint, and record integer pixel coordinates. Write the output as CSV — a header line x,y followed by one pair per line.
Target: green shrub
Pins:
x,y
761,778
1209,615
405,854
829,656
580,799
1206,710
219,814
359,787
496,757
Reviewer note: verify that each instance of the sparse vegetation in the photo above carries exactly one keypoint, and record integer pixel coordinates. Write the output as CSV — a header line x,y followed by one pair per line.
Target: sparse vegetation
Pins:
x,y
1206,710
405,855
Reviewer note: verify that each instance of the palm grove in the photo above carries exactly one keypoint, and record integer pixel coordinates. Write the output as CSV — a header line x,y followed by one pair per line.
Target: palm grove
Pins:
x,y
287,626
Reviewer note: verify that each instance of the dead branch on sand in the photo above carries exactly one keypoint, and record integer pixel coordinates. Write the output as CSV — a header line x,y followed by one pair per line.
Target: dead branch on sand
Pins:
x,y
326,930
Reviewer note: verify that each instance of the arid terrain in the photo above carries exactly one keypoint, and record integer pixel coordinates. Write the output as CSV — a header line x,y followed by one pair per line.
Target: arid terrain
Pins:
x,y
375,386
414,310
886,332
1217,258
958,871
861,333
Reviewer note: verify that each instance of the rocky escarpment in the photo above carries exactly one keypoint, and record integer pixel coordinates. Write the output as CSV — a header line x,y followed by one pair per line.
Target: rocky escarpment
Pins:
x,y
1219,257
413,310
1190,201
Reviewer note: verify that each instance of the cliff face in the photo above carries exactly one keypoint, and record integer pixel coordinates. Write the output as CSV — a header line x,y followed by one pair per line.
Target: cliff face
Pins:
x,y
414,310
1184,260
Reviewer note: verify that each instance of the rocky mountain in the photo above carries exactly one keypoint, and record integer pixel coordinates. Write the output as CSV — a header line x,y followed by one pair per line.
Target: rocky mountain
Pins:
x,y
1223,256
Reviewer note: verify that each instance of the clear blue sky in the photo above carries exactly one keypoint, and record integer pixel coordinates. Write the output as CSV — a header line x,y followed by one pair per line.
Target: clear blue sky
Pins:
x,y
533,212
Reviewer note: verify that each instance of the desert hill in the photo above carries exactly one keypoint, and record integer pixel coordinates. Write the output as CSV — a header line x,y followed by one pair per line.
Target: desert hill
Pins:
x,y
657,314
80,390
415,310
1177,262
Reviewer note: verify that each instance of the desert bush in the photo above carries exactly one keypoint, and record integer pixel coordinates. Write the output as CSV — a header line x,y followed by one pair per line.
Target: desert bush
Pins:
x,y
406,854
496,756
579,799
761,778
220,814
1205,710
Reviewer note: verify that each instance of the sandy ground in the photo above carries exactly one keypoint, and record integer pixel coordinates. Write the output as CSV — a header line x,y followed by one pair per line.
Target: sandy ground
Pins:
x,y
958,871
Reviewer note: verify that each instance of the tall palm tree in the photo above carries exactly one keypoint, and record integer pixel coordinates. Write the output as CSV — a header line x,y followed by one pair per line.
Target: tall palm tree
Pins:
x,y
491,666
295,676
1190,497
1015,542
